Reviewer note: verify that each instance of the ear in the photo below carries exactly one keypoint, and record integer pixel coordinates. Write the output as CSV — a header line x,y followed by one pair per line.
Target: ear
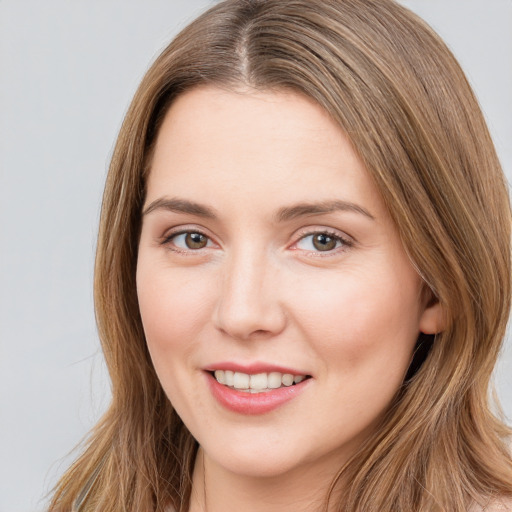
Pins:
x,y
433,317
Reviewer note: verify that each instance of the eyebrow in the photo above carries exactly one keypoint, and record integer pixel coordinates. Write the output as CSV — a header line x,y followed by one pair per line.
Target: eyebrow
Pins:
x,y
284,214
181,206
323,207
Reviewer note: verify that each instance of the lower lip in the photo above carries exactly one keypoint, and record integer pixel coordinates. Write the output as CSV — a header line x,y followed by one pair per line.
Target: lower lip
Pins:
x,y
253,403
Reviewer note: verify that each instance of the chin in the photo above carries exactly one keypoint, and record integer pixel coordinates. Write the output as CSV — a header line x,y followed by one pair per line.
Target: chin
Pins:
x,y
259,459
256,465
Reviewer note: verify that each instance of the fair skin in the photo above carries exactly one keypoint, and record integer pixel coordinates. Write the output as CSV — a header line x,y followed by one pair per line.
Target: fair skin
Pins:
x,y
235,271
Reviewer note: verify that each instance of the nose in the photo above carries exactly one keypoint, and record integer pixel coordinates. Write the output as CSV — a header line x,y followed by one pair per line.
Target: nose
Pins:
x,y
249,304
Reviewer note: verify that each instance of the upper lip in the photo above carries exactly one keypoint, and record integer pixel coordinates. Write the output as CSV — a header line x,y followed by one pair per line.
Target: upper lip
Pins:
x,y
253,368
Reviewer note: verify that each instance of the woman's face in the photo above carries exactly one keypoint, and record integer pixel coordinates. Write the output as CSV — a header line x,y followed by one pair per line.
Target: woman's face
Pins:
x,y
267,254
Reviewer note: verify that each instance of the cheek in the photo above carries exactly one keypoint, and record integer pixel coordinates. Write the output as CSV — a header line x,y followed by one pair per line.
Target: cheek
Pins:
x,y
173,305
174,311
362,320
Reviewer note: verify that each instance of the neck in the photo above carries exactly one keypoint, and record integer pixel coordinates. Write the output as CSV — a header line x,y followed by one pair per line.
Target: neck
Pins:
x,y
216,489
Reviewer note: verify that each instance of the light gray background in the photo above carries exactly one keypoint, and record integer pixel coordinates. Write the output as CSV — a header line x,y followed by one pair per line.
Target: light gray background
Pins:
x,y
67,73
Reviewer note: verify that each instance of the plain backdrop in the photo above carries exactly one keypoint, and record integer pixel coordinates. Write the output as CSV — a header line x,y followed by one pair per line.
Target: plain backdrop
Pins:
x,y
67,73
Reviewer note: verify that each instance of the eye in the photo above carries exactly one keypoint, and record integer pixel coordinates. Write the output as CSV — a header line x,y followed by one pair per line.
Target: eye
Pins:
x,y
188,240
321,242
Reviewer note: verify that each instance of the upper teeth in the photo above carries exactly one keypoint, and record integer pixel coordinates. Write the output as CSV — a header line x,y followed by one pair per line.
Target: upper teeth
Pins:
x,y
258,382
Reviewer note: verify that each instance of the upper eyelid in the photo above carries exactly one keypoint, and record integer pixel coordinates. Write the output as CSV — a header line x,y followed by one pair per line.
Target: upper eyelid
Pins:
x,y
169,233
303,232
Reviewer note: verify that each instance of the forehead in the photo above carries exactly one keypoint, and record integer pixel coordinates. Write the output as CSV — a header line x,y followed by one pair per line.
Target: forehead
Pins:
x,y
262,144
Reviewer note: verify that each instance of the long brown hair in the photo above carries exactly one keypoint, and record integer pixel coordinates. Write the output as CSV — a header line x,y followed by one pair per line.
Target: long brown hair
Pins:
x,y
399,94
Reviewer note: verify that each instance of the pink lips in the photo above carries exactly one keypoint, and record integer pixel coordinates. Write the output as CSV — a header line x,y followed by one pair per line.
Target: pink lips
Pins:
x,y
257,403
253,368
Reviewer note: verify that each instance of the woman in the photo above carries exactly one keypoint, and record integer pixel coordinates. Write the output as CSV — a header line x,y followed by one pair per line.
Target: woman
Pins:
x,y
303,274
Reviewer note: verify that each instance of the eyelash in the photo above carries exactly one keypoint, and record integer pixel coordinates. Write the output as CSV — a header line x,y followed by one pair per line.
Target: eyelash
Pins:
x,y
167,241
345,242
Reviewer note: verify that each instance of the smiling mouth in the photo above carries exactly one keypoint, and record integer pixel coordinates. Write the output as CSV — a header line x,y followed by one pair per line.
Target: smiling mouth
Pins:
x,y
257,383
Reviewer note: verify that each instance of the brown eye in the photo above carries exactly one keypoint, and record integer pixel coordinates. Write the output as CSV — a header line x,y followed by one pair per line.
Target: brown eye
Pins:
x,y
195,240
324,242
187,240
